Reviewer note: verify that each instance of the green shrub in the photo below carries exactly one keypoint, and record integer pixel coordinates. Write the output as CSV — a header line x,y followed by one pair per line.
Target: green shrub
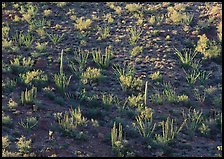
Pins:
x,y
156,76
102,61
144,123
104,32
210,49
24,145
134,35
12,104
136,101
35,76
90,75
29,123
132,7
82,24
69,124
118,143
193,120
169,132
23,39
6,120
107,100
29,96
136,50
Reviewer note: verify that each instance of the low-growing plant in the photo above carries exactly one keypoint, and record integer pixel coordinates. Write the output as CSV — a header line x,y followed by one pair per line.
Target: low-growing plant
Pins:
x,y
156,76
90,75
29,96
157,98
102,61
169,93
24,145
5,142
192,76
27,17
12,104
204,129
41,32
15,49
134,35
41,46
208,48
21,65
6,120
188,18
27,62
152,20
37,23
196,64
204,76
81,57
107,100
183,98
32,10
130,82
6,153
202,43
156,20
47,12
136,50
118,143
5,32
193,120
61,4
29,123
188,57
23,39
118,10
169,132
136,101
83,36
104,32
77,116
199,96
176,16
6,43
144,123
82,24
214,50
70,123
36,76
55,38
119,104
132,7
205,24
108,18
76,70
127,70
